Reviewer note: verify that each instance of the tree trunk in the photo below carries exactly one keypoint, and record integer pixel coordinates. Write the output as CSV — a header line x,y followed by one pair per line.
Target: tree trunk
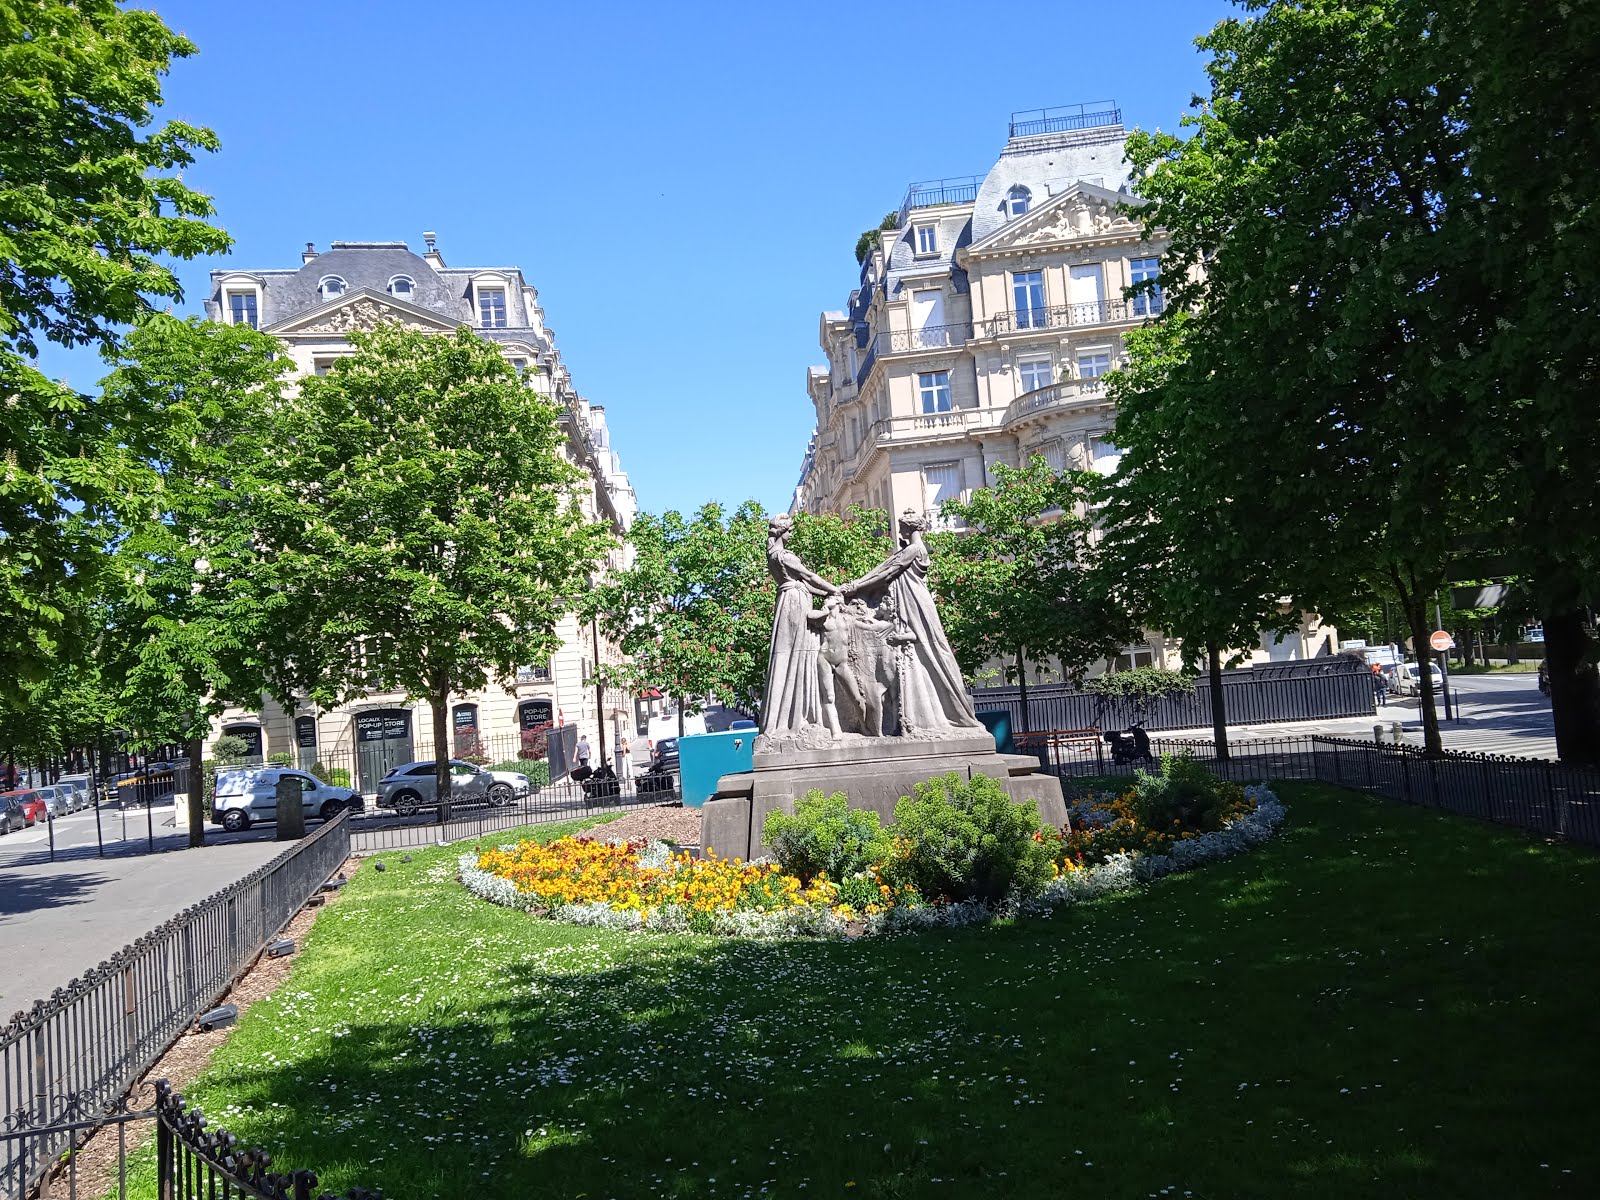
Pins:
x,y
1574,686
1022,688
441,750
680,716
1219,710
197,796
1416,611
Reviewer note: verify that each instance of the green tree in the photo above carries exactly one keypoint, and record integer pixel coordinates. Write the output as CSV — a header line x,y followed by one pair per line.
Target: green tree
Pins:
x,y
1181,549
1307,246
693,613
419,528
1016,584
92,203
198,400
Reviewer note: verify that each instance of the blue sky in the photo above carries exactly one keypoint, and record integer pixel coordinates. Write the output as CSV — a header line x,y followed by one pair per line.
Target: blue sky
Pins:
x,y
684,184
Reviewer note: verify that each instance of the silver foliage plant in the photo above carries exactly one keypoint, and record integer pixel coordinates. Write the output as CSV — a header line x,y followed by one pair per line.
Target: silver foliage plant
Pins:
x,y
1120,873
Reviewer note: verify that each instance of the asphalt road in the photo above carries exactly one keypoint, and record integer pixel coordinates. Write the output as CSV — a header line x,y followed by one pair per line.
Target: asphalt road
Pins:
x,y
1496,714
58,919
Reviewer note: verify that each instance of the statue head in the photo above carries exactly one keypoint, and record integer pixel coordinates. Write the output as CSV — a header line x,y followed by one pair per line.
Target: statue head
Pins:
x,y
912,522
780,526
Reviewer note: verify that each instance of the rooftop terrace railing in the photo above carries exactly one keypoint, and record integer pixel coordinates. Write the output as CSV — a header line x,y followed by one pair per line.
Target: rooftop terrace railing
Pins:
x,y
1093,115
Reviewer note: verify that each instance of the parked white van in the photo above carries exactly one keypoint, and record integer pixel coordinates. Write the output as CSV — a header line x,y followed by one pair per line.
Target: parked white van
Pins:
x,y
246,795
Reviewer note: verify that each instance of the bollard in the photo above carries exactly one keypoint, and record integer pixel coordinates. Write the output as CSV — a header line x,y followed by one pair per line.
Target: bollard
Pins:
x,y
1399,733
1377,733
290,815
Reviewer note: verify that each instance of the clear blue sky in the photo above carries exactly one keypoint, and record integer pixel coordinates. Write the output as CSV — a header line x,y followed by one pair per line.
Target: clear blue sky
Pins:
x,y
684,184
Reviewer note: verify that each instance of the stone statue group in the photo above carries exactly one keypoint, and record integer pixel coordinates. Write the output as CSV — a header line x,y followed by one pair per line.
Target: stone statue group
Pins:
x,y
872,661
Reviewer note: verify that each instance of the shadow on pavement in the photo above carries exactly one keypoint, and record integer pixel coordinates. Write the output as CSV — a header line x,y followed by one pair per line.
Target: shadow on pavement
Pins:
x,y
30,893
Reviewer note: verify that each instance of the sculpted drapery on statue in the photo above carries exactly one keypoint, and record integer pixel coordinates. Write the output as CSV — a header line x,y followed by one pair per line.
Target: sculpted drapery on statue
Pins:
x,y
872,662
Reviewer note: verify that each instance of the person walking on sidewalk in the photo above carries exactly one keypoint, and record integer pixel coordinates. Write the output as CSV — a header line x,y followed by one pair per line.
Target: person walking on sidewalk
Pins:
x,y
1380,685
624,762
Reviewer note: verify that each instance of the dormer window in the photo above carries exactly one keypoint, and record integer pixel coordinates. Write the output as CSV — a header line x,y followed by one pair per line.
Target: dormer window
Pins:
x,y
331,286
1017,201
402,286
492,307
242,309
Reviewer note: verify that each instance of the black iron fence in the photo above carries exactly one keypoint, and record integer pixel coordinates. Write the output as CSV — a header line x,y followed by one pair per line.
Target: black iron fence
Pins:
x,y
1546,798
384,829
193,1161
1250,697
74,1056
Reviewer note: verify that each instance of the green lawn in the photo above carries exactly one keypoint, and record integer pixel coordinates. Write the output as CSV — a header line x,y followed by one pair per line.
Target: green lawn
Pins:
x,y
1498,668
1382,1002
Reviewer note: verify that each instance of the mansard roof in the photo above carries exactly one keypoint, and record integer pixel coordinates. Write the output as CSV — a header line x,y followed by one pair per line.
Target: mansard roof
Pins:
x,y
1082,212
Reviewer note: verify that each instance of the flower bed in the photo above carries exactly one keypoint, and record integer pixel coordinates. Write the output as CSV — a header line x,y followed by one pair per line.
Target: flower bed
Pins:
x,y
937,865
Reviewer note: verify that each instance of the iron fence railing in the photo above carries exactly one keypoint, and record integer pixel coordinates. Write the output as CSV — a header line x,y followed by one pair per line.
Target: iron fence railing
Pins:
x,y
1092,312
1550,799
1059,120
962,189
76,1054
1249,697
376,831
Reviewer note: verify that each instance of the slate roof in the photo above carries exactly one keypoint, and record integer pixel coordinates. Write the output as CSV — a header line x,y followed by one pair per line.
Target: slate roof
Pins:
x,y
1048,165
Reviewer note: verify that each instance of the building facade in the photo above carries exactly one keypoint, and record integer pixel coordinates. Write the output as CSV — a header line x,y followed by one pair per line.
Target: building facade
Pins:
x,y
311,309
981,329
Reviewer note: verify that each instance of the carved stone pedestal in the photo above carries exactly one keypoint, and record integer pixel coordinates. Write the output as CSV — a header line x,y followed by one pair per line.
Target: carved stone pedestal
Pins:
x,y
873,772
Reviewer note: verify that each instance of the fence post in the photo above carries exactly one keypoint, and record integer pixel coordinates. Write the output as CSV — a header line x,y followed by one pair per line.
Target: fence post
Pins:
x,y
165,1166
1338,773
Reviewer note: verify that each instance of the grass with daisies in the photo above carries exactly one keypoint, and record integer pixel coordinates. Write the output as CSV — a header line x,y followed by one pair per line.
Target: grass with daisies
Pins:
x,y
1381,1001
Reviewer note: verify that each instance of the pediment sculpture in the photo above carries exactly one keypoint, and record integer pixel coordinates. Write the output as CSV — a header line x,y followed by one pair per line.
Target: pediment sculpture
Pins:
x,y
360,314
872,662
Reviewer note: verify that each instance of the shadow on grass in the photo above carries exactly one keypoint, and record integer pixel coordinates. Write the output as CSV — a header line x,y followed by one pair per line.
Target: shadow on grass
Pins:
x,y
1383,1001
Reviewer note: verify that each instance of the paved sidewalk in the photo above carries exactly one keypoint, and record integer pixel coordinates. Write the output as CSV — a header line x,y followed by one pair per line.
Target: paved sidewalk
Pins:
x,y
58,920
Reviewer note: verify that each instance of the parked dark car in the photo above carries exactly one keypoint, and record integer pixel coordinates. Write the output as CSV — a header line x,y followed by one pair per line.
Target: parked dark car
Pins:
x,y
665,754
11,814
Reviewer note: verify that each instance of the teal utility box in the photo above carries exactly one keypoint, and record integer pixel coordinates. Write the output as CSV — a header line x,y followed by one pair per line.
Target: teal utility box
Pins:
x,y
704,758
998,722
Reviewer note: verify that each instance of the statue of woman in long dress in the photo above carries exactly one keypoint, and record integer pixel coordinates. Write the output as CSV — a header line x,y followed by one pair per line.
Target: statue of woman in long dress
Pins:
x,y
793,706
933,699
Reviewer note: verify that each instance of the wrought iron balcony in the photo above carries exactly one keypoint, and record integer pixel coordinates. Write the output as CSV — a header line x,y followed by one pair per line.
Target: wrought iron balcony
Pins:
x,y
962,189
1092,115
910,341
1095,312
1068,394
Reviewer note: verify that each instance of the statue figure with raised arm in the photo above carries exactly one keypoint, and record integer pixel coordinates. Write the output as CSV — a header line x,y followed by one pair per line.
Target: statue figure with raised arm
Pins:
x,y
933,701
792,709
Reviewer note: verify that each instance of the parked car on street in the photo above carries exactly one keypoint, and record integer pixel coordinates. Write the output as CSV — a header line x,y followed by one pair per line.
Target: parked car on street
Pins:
x,y
11,814
82,791
517,781
246,796
55,799
1410,676
664,754
33,805
411,786
742,725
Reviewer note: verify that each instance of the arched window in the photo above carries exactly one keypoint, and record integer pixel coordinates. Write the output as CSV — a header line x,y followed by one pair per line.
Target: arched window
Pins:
x,y
331,286
402,286
1017,201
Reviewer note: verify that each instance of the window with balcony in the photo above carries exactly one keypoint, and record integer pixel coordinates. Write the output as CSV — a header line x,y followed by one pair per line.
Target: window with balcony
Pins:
x,y
492,308
1033,372
1017,201
1027,298
1146,303
1093,363
242,307
927,240
933,388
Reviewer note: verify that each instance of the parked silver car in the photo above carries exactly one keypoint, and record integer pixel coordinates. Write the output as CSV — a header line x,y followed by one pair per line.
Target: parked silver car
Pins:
x,y
57,800
82,796
411,786
247,795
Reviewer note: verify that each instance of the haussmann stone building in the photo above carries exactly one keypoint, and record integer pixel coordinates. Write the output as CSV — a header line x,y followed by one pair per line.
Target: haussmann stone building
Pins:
x,y
312,308
981,328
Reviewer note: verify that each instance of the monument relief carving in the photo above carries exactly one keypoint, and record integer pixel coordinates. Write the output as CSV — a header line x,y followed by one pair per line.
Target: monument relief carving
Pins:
x,y
873,662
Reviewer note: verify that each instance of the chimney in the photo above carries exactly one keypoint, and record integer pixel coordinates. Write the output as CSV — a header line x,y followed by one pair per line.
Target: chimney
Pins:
x,y
311,252
433,258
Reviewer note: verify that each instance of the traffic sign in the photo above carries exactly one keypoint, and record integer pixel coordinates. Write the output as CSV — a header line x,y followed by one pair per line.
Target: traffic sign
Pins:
x,y
1441,640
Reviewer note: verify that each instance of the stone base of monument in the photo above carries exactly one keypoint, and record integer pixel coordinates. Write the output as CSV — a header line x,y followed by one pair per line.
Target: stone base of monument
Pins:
x,y
873,772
